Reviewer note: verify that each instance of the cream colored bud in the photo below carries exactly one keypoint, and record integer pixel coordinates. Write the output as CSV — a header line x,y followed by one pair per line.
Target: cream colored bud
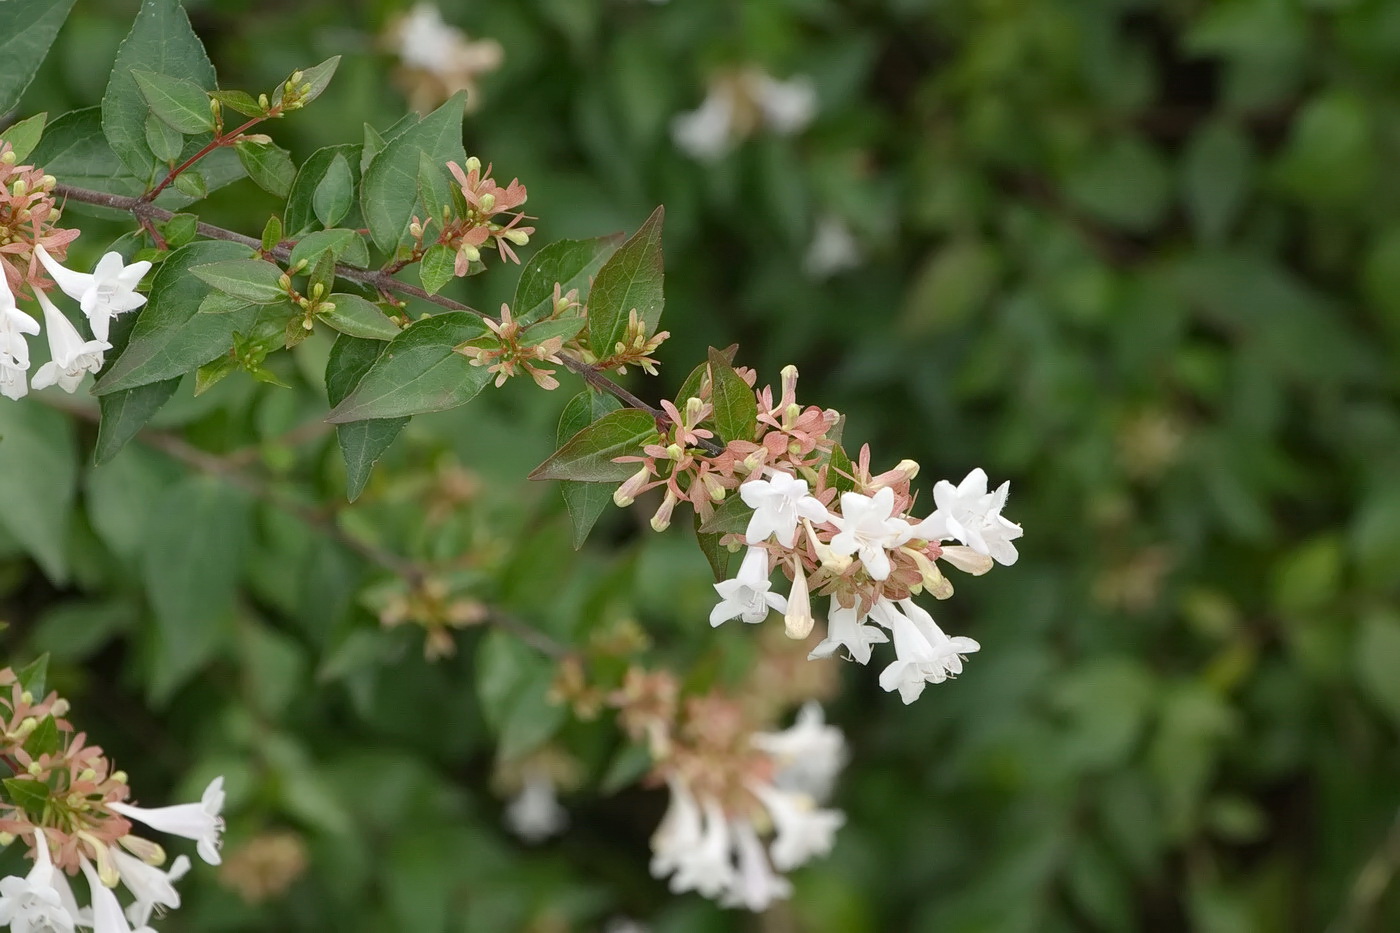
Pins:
x,y
263,102
473,164
518,237
87,775
6,839
119,777
318,290
35,768
8,158
487,201
49,182
675,451
284,281
296,77
415,230
19,189
472,253
60,707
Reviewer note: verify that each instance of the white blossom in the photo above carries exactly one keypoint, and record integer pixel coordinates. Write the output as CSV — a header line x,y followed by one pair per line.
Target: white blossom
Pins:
x,y
678,833
788,106
707,866
426,41
754,885
797,620
845,628
924,654
748,596
150,887
70,355
198,821
14,349
803,830
109,290
833,249
869,527
107,916
778,503
535,814
705,133
808,754
33,904
970,514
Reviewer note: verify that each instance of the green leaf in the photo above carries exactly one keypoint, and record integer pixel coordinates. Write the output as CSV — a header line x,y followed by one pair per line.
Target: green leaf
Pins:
x,y
1216,175
27,29
418,372
358,317
219,303
181,104
435,188
588,455
180,229
513,683
45,739
34,676
319,78
1377,651
585,501
25,134
254,280
74,149
362,442
192,184
338,241
214,372
269,166
731,517
630,279
716,555
736,408
165,142
272,233
29,794
627,767
126,412
239,102
192,559
839,470
390,188
571,263
161,42
437,268
171,337
565,328
335,193
38,479
301,213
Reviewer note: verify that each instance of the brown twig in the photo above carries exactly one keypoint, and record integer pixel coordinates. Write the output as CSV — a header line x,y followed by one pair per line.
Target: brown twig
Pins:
x,y
223,139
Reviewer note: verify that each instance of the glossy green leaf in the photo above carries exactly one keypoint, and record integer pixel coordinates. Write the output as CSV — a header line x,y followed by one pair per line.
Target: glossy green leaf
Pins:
x,y
301,213
317,78
736,409
38,480
334,194
588,456
362,443
180,103
25,135
630,280
340,242
28,794
570,263
34,676
390,188
254,280
437,267
269,166
585,501
418,372
165,141
27,29
358,317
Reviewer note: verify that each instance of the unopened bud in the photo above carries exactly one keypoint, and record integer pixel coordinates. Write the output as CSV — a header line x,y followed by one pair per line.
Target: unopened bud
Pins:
x,y
327,307
317,291
49,182
415,230
28,725
147,851
263,102
473,164
87,775
518,237
675,451
26,697
295,79
487,201
60,707
6,839
301,264
8,158
35,768
662,519
284,281
19,188
693,410
472,253
119,777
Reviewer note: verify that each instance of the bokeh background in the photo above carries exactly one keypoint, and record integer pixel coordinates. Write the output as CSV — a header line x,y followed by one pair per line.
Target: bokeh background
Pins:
x,y
1140,258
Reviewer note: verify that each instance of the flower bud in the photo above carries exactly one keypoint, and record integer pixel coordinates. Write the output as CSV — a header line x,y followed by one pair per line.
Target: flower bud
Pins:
x,y
472,253
284,281
19,189
662,519
263,102
6,839
627,493
60,707
518,237
487,201
798,621
473,165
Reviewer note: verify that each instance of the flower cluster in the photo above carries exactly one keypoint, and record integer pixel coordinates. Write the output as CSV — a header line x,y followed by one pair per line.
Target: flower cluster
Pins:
x,y
474,228
738,104
438,60
68,805
509,350
730,788
831,527
28,220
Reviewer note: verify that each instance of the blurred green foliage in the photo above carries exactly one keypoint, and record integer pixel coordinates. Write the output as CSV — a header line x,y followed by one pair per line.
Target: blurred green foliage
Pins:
x,y
1141,258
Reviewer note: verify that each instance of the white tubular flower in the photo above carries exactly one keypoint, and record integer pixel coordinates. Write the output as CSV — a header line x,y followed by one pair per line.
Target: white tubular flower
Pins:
x,y
32,904
803,829
808,754
679,832
71,356
778,503
198,821
151,887
970,514
107,916
833,249
707,867
706,132
845,628
14,349
535,814
755,885
924,654
109,290
967,560
788,106
797,620
869,527
748,595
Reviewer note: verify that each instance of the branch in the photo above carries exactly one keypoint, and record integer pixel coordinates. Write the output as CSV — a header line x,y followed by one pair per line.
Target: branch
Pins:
x,y
148,213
